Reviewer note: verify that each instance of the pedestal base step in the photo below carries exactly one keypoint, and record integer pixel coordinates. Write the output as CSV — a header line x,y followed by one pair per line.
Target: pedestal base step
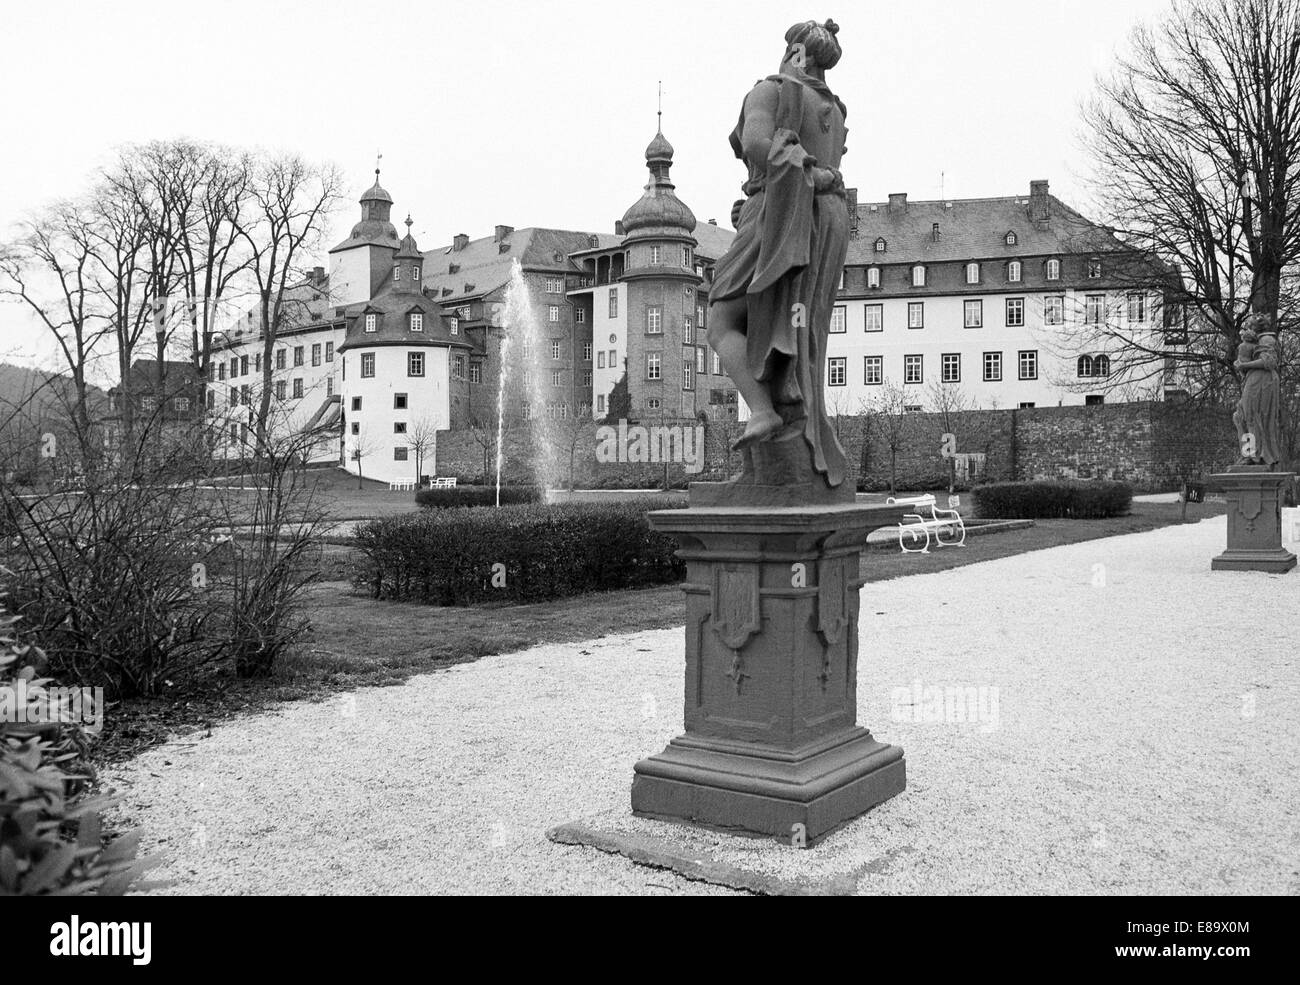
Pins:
x,y
792,796
1277,562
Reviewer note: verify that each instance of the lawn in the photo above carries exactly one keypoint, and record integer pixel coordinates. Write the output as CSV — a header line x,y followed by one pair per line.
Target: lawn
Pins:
x,y
356,641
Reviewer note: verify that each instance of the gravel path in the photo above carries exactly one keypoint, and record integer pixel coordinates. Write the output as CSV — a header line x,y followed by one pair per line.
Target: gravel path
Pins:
x,y
1140,745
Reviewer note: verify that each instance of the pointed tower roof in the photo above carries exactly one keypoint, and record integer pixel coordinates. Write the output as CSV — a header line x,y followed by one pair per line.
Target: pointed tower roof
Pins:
x,y
659,210
407,249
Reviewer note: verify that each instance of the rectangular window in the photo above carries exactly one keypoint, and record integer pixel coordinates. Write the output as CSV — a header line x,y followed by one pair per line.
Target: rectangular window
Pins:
x,y
654,319
458,367
912,369
315,353
1094,309
297,355
297,388
613,302
701,366
600,403
475,371
417,321
221,371
974,311
586,352
580,316
918,276
688,374
181,404
1137,307
654,255
836,370
873,277
414,364
873,370
399,453
686,257
329,386
916,314
372,323
367,365
717,365
1015,312
840,317
552,312
243,365
950,367
257,362
1094,269
557,377
992,367
399,427
586,378
972,273
613,358
356,403
279,359
399,401
652,365
279,389
688,331
600,359
699,316
234,366
555,348
873,318
453,326
1029,364
329,352
244,396
554,285
1054,310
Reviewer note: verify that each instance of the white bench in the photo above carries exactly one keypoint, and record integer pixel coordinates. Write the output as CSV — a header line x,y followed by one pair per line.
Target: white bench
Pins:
x,y
1291,523
449,483
401,484
921,526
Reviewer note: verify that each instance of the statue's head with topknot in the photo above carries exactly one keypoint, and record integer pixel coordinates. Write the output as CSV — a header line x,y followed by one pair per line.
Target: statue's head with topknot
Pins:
x,y
812,45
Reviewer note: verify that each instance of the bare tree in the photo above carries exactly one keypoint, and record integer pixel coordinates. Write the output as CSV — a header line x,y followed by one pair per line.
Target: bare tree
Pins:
x,y
571,432
888,412
361,446
485,436
1195,138
949,402
288,203
422,438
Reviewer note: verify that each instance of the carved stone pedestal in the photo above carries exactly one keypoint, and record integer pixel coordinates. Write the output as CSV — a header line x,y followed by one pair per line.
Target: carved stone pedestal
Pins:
x,y
772,739
1254,521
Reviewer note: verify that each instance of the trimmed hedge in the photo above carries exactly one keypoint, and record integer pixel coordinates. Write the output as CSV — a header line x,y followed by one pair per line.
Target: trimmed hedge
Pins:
x,y
447,556
1066,499
477,496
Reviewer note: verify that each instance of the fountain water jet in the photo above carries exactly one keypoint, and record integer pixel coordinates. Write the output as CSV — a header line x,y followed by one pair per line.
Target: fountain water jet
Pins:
x,y
520,356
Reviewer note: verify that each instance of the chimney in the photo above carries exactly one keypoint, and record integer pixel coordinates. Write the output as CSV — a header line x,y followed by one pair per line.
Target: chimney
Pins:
x,y
318,274
934,232
1040,207
713,222
851,197
460,242
503,232
618,227
898,201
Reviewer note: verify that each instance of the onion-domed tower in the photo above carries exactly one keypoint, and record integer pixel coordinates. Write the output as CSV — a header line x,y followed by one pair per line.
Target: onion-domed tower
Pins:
x,y
659,271
360,264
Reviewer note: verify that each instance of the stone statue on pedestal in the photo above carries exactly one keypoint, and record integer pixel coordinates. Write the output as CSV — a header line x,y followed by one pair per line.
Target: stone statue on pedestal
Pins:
x,y
1258,415
773,292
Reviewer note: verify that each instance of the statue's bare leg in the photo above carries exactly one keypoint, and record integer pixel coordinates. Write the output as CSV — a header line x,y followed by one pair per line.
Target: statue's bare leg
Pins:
x,y
726,338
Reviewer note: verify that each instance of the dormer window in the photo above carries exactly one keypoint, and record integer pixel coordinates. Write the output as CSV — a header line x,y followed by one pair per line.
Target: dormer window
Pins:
x,y
1010,239
1013,272
455,326
873,277
880,245
918,275
417,322
1094,268
372,323
1053,269
415,272
972,273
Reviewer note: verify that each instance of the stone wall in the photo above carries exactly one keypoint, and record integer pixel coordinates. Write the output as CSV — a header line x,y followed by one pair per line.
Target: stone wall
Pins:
x,y
1152,445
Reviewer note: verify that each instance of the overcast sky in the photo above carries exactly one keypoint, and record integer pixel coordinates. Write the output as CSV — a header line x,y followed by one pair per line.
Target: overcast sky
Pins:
x,y
538,113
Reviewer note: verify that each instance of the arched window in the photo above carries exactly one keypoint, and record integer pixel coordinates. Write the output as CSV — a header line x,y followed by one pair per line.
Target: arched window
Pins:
x,y
880,245
1085,366
1053,269
873,277
1013,272
918,275
1010,238
972,273
1101,366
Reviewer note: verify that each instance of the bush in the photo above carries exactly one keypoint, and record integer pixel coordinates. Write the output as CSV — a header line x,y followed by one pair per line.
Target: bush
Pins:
x,y
446,557
1053,499
51,838
438,499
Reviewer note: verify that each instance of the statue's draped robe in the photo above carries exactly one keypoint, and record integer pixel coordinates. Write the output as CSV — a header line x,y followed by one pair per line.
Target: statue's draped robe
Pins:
x,y
789,249
1260,408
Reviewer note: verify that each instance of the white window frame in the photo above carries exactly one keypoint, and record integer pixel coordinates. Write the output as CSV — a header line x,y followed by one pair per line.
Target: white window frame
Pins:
x,y
918,275
916,314
946,360
839,319
868,364
1021,362
878,310
972,273
653,366
992,360
873,277
367,360
837,371
913,360
1014,272
417,321
975,305
1016,305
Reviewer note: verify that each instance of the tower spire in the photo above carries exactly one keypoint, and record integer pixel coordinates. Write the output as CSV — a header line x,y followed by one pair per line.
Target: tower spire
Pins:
x,y
660,114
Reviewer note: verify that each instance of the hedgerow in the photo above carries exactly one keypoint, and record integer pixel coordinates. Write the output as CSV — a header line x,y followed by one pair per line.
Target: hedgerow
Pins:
x,y
1068,499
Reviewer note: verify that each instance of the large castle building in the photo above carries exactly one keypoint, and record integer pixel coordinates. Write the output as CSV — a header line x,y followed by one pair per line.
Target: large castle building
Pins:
x,y
395,343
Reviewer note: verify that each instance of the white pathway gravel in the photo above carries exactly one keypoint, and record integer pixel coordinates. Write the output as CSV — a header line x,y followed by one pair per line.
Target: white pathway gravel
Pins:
x,y
1145,742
